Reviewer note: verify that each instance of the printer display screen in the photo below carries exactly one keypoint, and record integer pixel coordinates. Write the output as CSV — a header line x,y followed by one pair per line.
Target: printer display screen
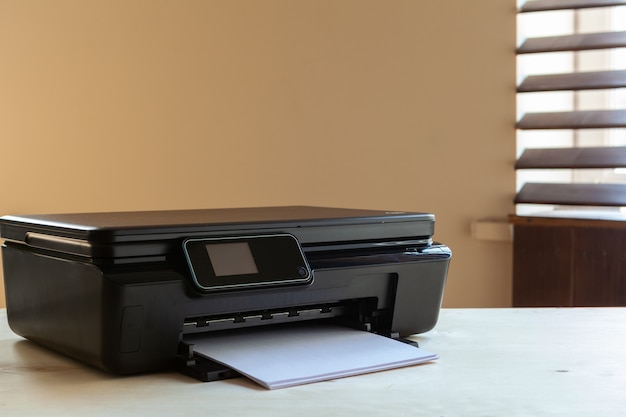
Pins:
x,y
231,259
237,262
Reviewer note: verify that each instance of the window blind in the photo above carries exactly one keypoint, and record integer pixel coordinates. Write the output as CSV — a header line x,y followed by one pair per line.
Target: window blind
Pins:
x,y
605,117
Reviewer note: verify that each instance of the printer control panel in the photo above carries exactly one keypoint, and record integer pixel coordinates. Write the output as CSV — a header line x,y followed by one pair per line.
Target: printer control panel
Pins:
x,y
239,262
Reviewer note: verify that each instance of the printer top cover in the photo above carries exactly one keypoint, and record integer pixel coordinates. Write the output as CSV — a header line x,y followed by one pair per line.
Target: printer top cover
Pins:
x,y
123,291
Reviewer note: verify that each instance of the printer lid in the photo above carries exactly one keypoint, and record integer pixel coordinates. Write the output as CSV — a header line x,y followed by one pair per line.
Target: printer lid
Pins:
x,y
119,233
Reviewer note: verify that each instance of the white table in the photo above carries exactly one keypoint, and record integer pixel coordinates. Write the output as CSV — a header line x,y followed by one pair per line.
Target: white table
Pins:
x,y
494,362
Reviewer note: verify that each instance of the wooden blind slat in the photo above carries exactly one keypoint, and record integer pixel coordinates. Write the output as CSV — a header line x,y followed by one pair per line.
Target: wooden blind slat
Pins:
x,y
594,119
573,194
573,158
546,5
574,81
578,42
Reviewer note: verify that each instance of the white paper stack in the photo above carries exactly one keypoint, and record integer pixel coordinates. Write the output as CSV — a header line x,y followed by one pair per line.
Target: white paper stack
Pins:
x,y
279,357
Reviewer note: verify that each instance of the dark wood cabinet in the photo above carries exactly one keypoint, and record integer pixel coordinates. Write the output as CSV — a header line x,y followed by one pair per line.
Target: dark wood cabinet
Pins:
x,y
568,262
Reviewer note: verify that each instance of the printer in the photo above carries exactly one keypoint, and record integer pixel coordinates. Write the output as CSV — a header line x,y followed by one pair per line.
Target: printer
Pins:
x,y
126,291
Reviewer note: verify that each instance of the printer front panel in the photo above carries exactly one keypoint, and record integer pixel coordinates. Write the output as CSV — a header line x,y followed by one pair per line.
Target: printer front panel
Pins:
x,y
394,299
131,318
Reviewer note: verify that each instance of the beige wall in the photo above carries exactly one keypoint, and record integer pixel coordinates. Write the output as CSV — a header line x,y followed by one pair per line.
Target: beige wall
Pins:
x,y
147,104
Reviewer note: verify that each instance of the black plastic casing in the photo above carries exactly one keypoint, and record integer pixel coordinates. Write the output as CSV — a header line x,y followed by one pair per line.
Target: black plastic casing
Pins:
x,y
129,314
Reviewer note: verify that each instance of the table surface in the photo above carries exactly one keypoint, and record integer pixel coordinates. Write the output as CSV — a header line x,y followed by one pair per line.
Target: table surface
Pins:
x,y
493,362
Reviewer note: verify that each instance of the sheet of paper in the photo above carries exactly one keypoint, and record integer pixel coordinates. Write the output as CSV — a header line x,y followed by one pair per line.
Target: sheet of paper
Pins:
x,y
279,356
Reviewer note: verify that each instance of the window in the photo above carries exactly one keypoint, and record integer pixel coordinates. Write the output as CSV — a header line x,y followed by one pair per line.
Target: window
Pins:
x,y
571,140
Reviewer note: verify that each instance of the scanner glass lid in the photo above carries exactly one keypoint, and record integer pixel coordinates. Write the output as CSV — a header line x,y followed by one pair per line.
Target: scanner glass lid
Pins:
x,y
114,225
117,236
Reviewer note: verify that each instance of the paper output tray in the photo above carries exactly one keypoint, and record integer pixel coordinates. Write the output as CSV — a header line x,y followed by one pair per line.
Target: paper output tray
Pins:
x,y
189,363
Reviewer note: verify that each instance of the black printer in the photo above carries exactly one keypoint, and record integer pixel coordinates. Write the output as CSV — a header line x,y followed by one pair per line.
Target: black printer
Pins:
x,y
125,291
